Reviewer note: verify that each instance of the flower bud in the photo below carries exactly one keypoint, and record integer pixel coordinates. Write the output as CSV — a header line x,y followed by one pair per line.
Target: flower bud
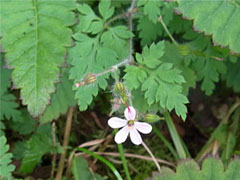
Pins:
x,y
90,78
119,88
151,118
184,49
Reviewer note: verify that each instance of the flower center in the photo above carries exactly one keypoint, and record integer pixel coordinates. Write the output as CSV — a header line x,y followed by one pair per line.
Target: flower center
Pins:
x,y
130,123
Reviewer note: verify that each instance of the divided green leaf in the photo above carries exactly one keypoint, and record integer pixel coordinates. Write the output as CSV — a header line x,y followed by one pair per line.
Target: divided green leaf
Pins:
x,y
93,55
161,82
5,159
35,37
151,9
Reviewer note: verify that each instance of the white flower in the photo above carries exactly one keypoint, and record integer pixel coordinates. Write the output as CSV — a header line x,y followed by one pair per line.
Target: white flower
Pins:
x,y
129,126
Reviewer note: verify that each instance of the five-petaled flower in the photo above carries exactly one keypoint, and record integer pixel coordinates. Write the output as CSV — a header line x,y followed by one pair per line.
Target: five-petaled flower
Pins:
x,y
130,125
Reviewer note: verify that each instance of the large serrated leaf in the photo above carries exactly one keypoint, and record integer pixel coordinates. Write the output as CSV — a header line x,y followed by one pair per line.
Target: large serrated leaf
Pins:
x,y
61,100
219,18
35,36
212,169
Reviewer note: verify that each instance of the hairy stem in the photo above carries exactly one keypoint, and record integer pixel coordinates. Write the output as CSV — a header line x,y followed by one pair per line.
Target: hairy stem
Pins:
x,y
65,143
151,154
167,31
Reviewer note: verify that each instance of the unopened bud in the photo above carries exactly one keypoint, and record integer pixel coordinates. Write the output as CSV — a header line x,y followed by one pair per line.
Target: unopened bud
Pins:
x,y
184,49
119,88
90,78
151,118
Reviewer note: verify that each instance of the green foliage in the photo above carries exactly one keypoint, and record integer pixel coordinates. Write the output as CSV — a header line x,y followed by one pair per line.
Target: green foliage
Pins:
x,y
26,125
212,168
233,76
95,54
161,82
80,170
35,37
151,9
5,159
8,101
39,144
61,100
217,18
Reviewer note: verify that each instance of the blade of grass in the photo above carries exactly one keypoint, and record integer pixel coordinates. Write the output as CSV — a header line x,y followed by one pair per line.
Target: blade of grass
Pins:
x,y
100,158
165,141
175,137
125,167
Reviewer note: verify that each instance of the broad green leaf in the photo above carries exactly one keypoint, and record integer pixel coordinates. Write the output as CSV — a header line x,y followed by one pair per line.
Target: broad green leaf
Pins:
x,y
5,159
233,170
80,170
105,9
212,169
35,37
61,100
217,18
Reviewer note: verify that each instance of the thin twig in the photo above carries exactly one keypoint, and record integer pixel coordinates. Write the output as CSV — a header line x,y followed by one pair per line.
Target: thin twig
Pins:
x,y
151,154
65,143
147,158
130,25
54,145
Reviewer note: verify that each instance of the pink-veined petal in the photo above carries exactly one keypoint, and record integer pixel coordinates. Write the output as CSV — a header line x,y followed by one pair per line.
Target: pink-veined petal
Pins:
x,y
116,122
122,135
143,127
135,136
130,114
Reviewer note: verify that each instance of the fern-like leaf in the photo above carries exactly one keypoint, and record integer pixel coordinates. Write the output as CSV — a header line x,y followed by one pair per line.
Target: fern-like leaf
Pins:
x,y
5,158
96,54
7,100
161,82
35,35
217,18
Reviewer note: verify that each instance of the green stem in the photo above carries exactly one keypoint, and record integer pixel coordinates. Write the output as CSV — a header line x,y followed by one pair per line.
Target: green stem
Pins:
x,y
167,31
175,137
125,167
165,141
